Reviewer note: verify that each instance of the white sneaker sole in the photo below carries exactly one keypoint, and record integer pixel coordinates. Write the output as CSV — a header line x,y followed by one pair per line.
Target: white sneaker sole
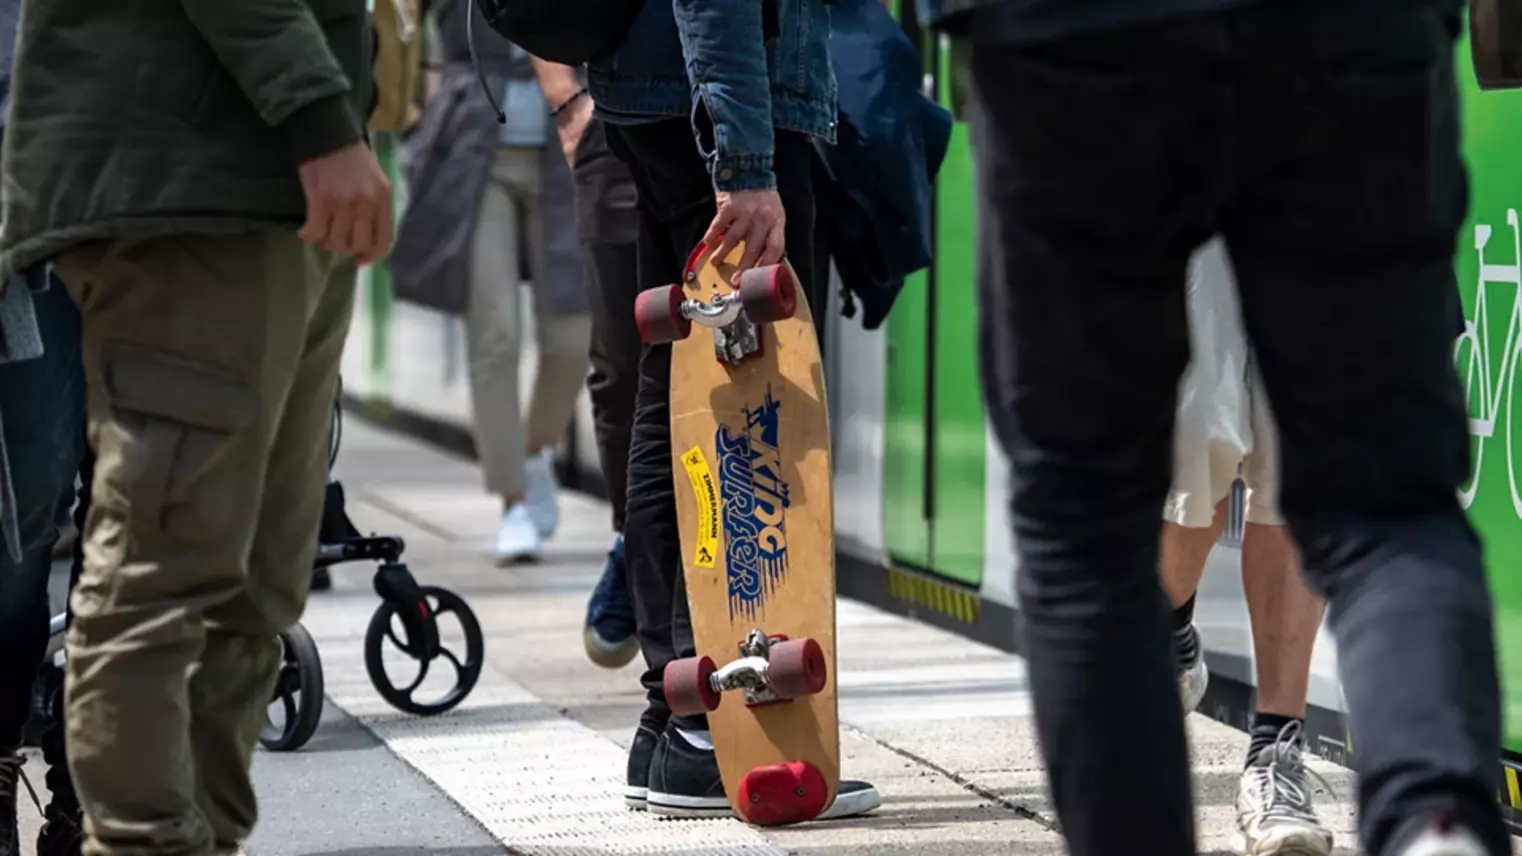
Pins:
x,y
676,805
1306,845
850,804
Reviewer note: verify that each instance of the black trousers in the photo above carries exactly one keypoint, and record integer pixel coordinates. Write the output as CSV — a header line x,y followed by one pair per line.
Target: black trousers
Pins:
x,y
1323,144
609,227
54,748
676,205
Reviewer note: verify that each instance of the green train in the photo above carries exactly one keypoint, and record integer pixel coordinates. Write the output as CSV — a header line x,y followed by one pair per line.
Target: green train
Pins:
x,y
919,481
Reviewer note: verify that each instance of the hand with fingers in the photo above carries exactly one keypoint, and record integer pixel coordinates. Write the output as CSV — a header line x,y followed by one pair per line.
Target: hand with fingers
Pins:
x,y
348,204
753,216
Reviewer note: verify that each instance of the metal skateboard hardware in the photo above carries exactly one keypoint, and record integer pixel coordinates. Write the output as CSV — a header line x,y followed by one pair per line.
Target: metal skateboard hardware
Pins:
x,y
769,669
765,295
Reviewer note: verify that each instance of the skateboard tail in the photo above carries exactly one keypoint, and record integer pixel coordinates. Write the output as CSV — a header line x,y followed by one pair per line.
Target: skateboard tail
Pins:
x,y
780,794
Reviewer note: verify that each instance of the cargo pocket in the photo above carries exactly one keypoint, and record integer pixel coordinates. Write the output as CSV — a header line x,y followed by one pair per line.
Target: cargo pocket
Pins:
x,y
173,423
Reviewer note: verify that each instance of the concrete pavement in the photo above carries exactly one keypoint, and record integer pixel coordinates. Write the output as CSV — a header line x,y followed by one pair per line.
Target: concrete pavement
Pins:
x,y
532,762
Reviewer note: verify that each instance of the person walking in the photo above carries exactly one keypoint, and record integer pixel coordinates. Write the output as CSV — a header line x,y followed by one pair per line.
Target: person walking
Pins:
x,y
1225,425
1320,139
206,212
609,228
484,199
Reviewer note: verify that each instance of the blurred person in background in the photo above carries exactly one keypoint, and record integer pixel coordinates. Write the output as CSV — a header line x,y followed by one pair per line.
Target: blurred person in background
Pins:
x,y
489,202
41,442
1320,140
609,226
1225,425
206,212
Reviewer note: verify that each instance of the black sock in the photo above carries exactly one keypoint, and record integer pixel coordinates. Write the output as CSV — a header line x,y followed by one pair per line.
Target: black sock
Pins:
x,y
1186,642
1183,614
1265,732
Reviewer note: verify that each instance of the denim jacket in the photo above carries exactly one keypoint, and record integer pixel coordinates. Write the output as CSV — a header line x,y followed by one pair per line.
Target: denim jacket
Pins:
x,y
753,64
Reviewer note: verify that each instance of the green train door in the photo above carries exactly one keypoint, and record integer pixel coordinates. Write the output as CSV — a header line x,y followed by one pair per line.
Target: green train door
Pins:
x,y
934,431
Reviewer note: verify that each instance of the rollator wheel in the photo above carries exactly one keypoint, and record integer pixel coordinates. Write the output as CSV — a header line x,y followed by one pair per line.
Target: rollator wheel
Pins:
x,y
298,694
769,293
658,315
387,625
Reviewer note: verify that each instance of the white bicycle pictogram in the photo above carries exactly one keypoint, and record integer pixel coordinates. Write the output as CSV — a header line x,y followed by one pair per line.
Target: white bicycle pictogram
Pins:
x,y
1485,390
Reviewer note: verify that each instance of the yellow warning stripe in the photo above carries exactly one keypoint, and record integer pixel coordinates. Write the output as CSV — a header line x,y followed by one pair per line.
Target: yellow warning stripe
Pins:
x,y
1513,790
934,595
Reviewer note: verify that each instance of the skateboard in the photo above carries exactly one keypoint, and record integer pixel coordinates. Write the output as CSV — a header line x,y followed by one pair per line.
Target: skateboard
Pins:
x,y
750,442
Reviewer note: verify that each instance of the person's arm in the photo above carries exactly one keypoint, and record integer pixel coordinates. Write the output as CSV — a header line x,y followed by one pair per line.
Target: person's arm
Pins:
x,y
569,102
725,49
277,53
559,82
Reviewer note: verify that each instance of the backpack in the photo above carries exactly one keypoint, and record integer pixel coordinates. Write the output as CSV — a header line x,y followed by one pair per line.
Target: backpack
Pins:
x,y
569,32
875,186
398,33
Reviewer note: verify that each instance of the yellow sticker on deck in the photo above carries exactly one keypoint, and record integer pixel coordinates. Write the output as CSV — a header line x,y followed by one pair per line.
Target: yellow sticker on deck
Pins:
x,y
707,495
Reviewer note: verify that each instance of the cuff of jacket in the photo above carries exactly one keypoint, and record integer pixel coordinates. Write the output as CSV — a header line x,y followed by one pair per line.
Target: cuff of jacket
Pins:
x,y
321,128
742,172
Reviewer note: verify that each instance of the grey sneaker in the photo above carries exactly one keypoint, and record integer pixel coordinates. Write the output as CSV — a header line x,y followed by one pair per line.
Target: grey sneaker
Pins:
x,y
1193,677
1275,813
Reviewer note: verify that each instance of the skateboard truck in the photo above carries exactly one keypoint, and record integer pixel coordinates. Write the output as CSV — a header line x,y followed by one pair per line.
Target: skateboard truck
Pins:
x,y
769,669
765,295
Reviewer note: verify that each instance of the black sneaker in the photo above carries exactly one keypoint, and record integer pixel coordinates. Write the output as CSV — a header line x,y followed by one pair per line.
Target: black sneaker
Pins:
x,y
684,780
637,784
695,766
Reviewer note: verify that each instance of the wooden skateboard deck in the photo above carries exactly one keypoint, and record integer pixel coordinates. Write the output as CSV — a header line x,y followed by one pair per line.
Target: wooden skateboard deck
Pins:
x,y
750,441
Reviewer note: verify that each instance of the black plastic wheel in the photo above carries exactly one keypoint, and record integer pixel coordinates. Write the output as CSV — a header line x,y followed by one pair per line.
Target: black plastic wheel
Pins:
x,y
298,693
386,624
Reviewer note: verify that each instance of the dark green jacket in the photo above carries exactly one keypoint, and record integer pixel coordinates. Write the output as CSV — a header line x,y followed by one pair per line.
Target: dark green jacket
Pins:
x,y
142,116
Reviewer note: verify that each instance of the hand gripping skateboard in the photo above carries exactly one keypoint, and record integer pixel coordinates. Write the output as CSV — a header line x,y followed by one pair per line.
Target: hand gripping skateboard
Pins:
x,y
750,442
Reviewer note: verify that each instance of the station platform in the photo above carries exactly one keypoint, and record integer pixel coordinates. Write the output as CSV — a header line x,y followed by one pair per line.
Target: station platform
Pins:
x,y
533,761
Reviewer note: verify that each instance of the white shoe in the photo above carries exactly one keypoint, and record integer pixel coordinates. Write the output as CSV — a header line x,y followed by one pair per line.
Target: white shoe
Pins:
x,y
517,537
1275,813
543,496
1454,841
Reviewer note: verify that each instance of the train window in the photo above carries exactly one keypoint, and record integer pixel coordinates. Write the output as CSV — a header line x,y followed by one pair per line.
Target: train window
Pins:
x,y
1495,38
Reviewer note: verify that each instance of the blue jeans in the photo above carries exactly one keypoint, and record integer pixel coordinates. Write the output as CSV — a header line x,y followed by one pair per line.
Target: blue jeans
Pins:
x,y
42,407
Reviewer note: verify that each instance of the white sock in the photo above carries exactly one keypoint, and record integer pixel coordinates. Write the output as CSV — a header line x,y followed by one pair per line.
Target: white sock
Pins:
x,y
699,739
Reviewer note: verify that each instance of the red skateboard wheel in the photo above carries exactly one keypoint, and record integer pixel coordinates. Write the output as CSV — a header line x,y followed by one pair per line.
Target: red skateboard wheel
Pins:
x,y
797,668
658,315
688,691
769,293
782,793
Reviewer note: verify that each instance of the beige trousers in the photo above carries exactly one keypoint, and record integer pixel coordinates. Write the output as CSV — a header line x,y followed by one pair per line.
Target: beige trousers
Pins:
x,y
507,221
211,363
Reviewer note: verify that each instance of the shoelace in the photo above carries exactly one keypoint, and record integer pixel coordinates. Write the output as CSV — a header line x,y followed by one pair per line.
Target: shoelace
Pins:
x,y
7,782
1277,788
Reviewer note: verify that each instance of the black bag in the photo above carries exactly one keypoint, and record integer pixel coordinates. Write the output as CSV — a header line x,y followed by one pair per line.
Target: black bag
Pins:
x,y
569,32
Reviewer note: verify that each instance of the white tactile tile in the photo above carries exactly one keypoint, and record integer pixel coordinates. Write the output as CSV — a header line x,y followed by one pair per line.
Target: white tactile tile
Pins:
x,y
539,782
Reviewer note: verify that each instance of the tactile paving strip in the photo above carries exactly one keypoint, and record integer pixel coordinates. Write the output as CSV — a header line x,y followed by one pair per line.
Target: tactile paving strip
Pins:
x,y
539,782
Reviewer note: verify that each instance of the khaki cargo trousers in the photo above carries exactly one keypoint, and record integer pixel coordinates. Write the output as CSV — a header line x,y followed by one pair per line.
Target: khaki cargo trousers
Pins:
x,y
211,363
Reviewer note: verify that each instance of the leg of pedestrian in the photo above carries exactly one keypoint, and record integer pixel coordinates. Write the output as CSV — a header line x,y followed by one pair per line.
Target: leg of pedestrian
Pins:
x,y
1348,295
193,346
